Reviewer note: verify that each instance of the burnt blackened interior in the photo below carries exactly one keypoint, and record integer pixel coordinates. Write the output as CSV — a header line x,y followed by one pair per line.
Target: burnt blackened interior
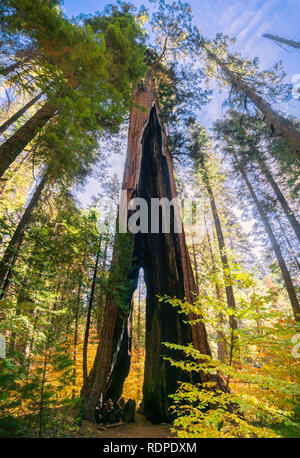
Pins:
x,y
159,256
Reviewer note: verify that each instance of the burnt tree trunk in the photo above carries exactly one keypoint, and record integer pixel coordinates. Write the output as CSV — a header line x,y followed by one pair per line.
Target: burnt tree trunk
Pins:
x,y
167,269
93,390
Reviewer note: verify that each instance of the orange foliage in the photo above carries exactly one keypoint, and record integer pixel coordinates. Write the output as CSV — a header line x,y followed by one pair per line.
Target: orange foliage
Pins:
x,y
133,386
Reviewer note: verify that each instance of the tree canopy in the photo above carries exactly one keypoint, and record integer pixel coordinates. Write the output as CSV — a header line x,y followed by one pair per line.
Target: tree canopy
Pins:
x,y
200,331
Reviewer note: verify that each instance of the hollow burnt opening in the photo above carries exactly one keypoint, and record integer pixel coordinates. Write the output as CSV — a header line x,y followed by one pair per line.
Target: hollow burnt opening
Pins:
x,y
159,256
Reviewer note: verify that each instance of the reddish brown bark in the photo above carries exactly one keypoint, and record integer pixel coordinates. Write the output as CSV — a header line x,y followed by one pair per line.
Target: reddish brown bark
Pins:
x,y
167,267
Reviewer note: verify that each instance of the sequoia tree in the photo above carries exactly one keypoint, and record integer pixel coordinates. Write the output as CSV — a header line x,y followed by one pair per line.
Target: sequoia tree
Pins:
x,y
167,269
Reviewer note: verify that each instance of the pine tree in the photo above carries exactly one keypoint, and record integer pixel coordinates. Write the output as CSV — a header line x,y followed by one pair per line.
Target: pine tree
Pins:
x,y
218,54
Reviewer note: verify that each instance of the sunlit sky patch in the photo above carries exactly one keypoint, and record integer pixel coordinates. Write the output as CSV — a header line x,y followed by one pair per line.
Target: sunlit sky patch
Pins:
x,y
245,20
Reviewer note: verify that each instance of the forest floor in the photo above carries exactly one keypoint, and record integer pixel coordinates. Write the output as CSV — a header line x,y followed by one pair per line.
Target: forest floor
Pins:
x,y
139,428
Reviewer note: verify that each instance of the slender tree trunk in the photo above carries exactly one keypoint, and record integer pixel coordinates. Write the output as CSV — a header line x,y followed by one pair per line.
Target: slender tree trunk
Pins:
x,y
222,248
288,243
9,256
195,267
19,113
89,312
5,71
7,278
284,41
139,320
101,299
76,337
226,271
222,349
31,343
14,170
13,336
282,124
282,264
284,204
10,149
42,394
139,342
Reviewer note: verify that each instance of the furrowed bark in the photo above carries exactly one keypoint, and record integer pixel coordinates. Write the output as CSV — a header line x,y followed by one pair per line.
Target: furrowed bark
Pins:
x,y
167,267
93,390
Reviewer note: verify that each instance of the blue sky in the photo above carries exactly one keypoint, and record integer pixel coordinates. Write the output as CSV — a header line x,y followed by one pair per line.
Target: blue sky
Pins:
x,y
245,20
